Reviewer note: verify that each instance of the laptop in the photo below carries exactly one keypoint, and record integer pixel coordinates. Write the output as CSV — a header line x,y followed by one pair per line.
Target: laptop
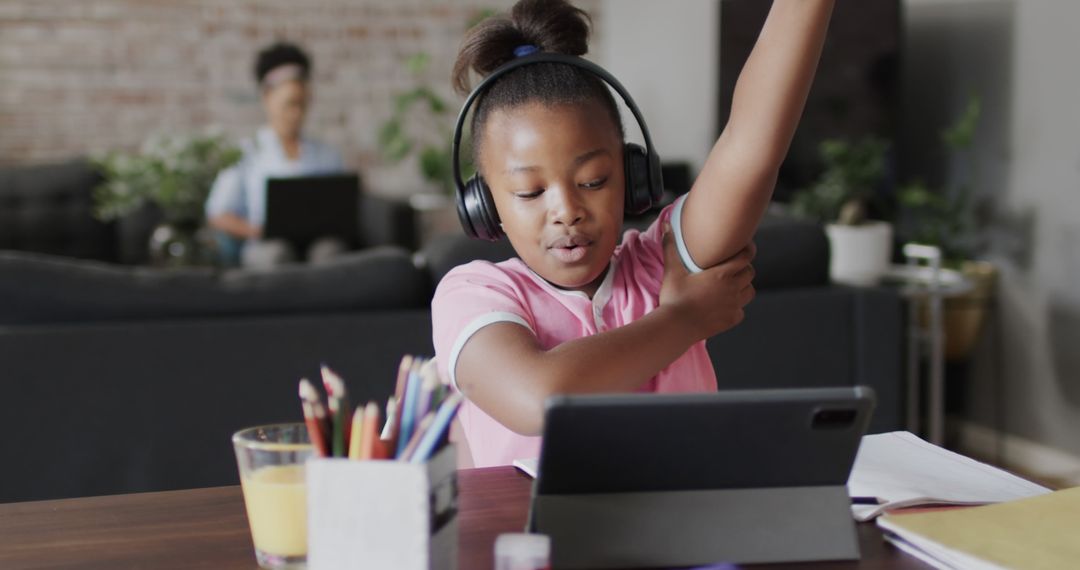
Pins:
x,y
303,209
660,480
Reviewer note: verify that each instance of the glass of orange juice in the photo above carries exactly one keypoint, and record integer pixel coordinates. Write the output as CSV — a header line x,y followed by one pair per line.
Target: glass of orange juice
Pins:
x,y
271,460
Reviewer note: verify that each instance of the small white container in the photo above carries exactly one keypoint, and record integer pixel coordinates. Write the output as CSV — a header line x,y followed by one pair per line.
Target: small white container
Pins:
x,y
520,551
383,514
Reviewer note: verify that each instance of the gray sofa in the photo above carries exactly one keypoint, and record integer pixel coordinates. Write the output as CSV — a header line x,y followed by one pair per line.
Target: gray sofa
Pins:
x,y
123,378
47,208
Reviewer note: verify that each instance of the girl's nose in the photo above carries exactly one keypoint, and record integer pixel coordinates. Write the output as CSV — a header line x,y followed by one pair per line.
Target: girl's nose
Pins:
x,y
564,205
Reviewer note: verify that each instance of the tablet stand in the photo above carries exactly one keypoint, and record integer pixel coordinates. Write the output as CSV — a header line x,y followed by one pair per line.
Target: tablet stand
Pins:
x,y
686,528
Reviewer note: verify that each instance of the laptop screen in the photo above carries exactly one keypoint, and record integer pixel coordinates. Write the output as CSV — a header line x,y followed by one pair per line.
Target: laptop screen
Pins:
x,y
305,208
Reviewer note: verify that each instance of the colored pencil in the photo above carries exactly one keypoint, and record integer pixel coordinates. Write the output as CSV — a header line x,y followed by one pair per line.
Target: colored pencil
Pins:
x,y
399,401
340,412
370,435
402,376
388,428
429,380
440,425
357,433
313,430
417,436
408,408
309,397
322,419
382,449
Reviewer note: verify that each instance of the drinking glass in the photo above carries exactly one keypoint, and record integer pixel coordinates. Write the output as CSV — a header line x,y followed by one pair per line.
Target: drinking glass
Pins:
x,y
271,461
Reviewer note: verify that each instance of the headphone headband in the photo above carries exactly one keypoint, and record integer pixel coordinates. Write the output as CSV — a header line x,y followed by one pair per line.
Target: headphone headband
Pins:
x,y
542,57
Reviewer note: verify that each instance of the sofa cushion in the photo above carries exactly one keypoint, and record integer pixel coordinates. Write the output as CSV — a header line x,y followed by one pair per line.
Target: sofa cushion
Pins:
x,y
39,289
49,209
449,251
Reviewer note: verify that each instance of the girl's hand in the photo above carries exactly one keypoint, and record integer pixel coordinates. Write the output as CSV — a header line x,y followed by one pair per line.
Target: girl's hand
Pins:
x,y
712,301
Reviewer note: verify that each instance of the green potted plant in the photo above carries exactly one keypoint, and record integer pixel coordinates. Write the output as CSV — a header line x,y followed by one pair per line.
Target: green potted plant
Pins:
x,y
951,218
860,248
173,173
946,217
421,128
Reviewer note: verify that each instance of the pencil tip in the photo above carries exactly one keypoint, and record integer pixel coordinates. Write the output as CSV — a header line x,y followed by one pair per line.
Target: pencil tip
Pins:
x,y
307,391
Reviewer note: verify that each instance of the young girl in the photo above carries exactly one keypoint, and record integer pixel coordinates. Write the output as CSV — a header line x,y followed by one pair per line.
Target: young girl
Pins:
x,y
576,313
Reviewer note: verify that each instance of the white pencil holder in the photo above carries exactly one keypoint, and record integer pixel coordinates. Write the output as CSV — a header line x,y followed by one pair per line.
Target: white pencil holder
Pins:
x,y
383,514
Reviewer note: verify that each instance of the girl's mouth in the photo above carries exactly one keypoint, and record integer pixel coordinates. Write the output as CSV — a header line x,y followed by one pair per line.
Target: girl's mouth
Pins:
x,y
570,254
571,248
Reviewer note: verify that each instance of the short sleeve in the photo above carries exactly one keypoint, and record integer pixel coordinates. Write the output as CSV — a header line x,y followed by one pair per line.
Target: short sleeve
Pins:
x,y
469,298
227,193
680,239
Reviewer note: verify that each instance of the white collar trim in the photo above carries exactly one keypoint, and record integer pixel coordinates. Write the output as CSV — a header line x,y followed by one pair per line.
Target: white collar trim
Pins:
x,y
603,292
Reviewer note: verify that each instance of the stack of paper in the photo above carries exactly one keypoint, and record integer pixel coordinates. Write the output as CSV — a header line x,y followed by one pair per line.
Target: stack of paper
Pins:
x,y
902,470
1036,533
528,466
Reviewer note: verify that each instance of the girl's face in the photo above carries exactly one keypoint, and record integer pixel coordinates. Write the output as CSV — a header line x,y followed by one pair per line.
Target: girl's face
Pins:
x,y
556,175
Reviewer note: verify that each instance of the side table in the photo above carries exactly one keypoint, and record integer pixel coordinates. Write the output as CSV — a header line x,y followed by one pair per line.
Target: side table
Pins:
x,y
926,284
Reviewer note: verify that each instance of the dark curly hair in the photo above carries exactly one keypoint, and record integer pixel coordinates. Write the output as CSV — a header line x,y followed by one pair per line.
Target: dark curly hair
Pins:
x,y
279,54
553,26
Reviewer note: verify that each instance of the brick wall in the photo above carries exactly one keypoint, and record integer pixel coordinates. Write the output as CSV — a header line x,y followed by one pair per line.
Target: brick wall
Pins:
x,y
86,76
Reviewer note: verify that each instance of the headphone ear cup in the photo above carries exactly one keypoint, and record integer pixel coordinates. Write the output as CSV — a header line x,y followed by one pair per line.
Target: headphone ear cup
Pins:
x,y
656,179
476,211
640,196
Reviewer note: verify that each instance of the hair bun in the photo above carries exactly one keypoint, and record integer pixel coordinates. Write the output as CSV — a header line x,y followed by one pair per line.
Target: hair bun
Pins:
x,y
553,26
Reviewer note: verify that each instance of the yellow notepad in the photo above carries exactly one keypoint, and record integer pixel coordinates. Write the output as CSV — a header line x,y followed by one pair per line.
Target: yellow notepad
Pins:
x,y
1035,533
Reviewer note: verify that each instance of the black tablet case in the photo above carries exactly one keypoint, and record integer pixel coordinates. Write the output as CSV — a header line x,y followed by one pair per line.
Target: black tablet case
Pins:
x,y
657,480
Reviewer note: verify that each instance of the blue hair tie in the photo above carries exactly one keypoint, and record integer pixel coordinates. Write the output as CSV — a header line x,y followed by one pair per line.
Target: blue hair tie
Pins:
x,y
527,49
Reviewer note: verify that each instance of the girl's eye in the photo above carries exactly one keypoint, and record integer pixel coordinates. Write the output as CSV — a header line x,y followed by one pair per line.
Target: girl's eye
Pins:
x,y
594,184
529,195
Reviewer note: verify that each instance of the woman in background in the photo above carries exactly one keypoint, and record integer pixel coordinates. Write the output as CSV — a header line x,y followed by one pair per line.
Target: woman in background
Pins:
x,y
237,202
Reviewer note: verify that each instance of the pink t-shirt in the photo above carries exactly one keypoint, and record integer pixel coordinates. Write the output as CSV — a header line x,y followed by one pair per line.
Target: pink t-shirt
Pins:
x,y
480,293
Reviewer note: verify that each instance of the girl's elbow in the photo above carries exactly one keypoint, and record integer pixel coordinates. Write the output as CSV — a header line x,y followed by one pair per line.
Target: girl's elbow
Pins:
x,y
530,426
523,415
530,416
526,420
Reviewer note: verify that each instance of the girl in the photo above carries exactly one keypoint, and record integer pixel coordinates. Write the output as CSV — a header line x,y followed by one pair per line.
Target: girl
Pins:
x,y
576,313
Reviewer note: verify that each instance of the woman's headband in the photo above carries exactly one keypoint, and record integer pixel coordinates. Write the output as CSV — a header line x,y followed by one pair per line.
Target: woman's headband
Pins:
x,y
282,74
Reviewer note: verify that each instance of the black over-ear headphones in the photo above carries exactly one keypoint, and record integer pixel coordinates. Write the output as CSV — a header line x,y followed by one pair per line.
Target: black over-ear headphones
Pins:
x,y
644,183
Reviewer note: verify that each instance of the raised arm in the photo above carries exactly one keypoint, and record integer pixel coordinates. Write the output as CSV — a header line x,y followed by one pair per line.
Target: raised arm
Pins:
x,y
733,190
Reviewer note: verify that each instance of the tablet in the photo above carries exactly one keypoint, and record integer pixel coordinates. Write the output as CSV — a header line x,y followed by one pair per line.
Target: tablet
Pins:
x,y
660,480
728,439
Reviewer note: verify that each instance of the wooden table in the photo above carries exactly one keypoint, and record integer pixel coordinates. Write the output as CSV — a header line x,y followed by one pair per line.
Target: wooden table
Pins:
x,y
207,528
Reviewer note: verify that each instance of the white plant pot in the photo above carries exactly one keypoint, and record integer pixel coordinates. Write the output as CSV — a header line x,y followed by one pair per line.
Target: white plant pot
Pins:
x,y
860,254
